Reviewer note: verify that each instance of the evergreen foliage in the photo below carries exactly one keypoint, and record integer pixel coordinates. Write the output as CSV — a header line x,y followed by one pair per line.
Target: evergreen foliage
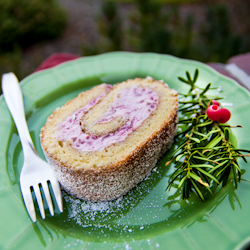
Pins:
x,y
25,22
154,27
219,40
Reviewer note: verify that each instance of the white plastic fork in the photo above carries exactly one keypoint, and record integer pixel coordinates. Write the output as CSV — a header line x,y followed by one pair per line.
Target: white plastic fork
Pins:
x,y
36,173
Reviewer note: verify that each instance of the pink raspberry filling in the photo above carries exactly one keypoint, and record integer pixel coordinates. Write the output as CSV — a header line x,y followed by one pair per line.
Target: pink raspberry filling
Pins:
x,y
135,104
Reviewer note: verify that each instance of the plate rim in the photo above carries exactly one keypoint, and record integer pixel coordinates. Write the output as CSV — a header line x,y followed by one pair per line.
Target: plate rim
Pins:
x,y
60,67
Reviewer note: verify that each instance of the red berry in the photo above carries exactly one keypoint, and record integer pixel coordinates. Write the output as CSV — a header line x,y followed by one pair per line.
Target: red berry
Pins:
x,y
213,112
215,103
225,115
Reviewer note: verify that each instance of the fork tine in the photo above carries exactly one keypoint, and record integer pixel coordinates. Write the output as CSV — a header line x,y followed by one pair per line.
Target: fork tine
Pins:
x,y
57,193
48,197
39,200
28,201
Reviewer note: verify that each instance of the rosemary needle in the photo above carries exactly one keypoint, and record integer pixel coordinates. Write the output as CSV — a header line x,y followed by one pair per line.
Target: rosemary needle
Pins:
x,y
206,157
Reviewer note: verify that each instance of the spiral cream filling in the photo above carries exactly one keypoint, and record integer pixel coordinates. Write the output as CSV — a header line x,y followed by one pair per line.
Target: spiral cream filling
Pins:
x,y
130,108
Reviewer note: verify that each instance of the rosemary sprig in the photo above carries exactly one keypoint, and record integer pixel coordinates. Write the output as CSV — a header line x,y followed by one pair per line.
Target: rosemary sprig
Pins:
x,y
206,157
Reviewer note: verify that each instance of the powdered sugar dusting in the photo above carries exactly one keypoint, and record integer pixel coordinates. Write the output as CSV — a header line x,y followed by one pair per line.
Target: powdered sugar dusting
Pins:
x,y
87,214
98,215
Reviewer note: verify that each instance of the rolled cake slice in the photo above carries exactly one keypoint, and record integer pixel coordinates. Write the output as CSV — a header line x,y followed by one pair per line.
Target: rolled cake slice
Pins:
x,y
108,139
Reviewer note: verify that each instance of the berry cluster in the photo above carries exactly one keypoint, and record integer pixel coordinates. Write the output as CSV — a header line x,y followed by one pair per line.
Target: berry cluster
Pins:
x,y
216,113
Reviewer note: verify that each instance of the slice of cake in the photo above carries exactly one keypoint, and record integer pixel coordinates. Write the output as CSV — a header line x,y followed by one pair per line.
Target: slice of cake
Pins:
x,y
108,139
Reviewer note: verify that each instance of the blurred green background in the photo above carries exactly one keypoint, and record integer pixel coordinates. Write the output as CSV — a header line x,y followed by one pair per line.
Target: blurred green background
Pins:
x,y
203,30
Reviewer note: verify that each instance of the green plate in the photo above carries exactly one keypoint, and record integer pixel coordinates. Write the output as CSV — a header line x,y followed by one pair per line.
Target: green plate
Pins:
x,y
147,217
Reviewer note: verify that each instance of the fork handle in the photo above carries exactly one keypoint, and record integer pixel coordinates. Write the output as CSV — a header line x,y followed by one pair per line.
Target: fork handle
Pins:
x,y
14,99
